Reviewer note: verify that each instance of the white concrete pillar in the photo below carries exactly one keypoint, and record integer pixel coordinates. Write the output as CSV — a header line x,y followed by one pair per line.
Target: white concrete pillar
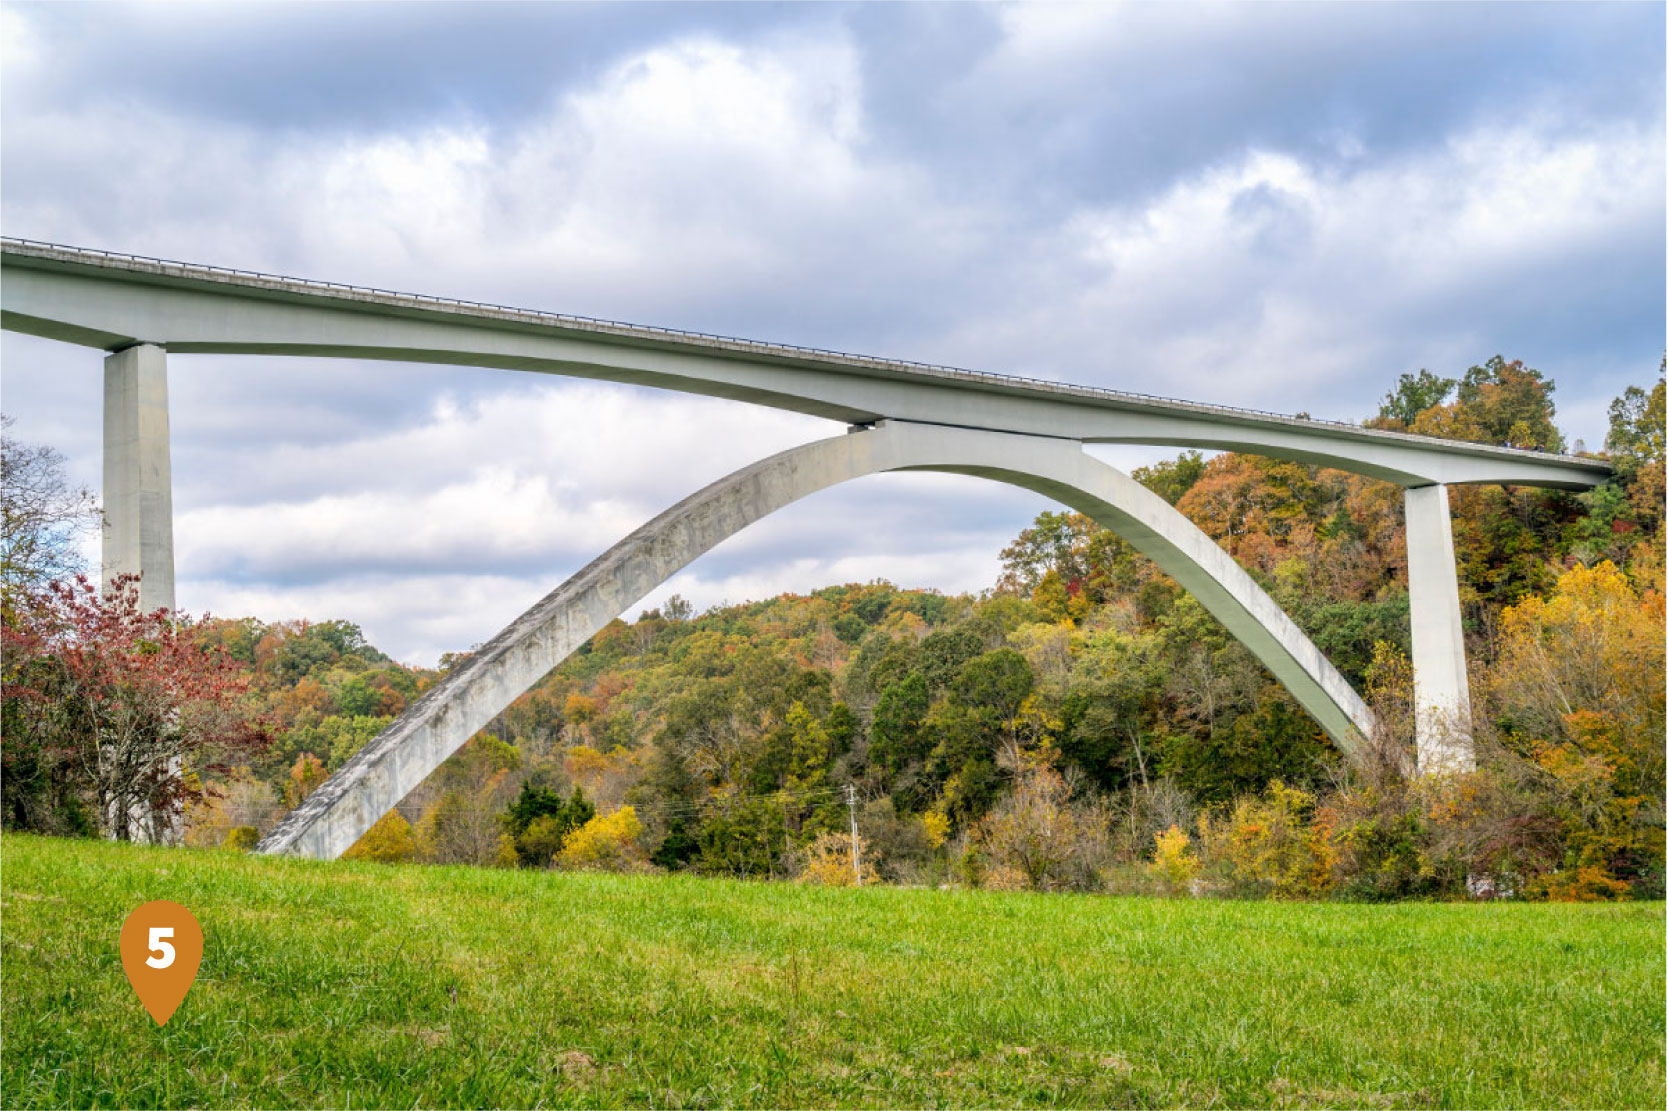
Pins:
x,y
138,482
139,512
1441,693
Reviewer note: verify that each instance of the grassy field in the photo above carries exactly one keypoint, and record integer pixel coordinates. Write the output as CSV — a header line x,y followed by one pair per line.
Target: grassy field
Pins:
x,y
363,986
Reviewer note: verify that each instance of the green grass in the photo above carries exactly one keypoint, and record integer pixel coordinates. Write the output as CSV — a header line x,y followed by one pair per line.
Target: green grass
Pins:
x,y
348,985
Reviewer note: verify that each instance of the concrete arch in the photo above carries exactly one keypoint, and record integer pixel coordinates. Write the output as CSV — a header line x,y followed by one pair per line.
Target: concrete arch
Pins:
x,y
370,784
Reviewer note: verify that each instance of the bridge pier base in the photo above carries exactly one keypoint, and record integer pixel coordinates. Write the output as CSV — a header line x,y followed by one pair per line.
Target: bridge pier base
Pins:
x,y
1441,691
138,480
139,511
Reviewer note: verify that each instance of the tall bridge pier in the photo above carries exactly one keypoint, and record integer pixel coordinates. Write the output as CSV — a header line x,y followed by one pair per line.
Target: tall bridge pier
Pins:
x,y
903,416
138,478
1441,690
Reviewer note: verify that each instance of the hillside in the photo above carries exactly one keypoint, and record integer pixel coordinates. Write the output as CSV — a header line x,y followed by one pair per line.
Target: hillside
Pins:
x,y
348,985
1044,734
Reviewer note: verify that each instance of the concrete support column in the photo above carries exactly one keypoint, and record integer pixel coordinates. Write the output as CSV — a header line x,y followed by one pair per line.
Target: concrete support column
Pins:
x,y
1441,693
138,482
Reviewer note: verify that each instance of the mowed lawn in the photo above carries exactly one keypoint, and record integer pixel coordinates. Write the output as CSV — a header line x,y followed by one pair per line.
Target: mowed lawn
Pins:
x,y
342,985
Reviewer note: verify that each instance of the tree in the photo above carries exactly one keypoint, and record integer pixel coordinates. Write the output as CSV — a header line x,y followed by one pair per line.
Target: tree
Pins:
x,y
1499,402
1636,426
1052,543
1173,865
540,819
1595,648
307,775
606,843
677,848
1171,479
238,801
43,519
1268,845
1414,393
995,686
390,841
894,735
743,839
1037,837
461,826
827,860
107,705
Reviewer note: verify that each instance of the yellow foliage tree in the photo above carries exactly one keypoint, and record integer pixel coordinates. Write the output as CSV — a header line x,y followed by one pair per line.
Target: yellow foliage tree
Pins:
x,y
1173,864
242,839
1579,682
1038,837
937,826
828,861
579,708
1594,646
388,842
505,855
606,843
1269,845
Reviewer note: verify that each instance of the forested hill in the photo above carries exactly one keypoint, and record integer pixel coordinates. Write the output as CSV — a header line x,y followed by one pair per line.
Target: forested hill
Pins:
x,y
1084,724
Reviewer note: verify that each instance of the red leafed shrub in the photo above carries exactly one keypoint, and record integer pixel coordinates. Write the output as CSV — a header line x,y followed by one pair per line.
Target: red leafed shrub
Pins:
x,y
113,715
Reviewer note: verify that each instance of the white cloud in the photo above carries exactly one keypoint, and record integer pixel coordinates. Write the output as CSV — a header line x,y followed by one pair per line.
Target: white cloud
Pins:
x,y
415,619
537,472
694,168
1266,279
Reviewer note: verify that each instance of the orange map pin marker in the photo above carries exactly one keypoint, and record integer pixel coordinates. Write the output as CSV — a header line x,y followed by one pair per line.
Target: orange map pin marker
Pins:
x,y
162,945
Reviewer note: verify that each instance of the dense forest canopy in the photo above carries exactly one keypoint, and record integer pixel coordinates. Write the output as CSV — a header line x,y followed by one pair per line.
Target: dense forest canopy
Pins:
x,y
1082,725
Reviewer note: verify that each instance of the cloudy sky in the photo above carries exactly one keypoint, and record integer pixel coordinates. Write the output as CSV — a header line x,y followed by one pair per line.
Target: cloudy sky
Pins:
x,y
1279,207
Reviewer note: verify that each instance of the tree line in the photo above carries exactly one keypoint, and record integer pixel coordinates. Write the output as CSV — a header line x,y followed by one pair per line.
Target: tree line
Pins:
x,y
1082,725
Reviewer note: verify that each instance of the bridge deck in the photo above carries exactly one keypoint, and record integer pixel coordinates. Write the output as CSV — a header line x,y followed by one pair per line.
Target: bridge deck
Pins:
x,y
107,300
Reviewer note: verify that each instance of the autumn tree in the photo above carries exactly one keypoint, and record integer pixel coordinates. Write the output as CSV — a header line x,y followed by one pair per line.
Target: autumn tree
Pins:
x,y
605,843
106,706
307,775
540,819
1267,845
462,825
389,841
1578,688
1498,402
827,860
239,800
43,519
1038,837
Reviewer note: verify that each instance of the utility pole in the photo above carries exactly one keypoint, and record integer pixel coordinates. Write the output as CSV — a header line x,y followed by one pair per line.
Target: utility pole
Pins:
x,y
851,805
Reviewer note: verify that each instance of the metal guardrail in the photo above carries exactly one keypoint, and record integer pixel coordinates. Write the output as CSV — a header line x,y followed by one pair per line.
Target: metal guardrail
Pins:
x,y
628,330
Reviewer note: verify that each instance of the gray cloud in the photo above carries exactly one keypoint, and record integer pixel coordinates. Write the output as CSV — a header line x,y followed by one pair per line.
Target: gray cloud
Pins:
x,y
1269,206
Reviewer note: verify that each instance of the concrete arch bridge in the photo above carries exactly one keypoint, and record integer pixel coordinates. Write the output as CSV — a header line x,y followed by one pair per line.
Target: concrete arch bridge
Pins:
x,y
900,416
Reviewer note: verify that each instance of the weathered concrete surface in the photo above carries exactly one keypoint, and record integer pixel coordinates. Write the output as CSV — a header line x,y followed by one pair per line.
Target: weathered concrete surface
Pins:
x,y
138,481
374,780
113,301
1441,691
